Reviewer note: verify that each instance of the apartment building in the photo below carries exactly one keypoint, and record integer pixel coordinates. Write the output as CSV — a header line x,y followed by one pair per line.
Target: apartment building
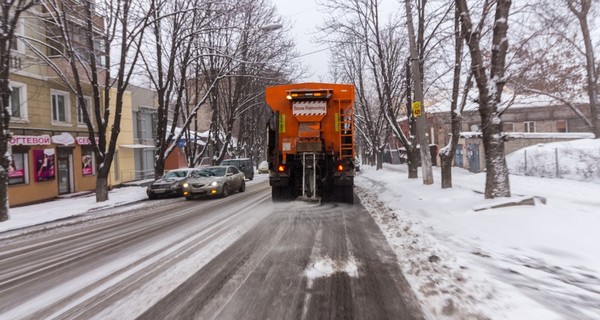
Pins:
x,y
50,146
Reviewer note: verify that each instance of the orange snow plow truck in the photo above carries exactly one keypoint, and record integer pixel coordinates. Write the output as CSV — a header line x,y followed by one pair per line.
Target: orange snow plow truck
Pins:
x,y
311,141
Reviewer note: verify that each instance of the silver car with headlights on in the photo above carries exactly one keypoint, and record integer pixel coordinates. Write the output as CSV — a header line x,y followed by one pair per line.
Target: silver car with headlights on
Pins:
x,y
217,181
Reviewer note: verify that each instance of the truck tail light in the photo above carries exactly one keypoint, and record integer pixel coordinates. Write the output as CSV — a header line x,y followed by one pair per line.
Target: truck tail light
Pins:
x,y
281,168
340,167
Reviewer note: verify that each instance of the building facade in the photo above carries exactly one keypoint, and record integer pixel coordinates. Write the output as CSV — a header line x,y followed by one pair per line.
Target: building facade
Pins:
x,y
51,153
530,120
144,115
49,145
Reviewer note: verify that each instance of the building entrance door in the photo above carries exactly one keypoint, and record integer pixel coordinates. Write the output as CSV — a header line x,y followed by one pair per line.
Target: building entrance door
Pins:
x,y
473,156
65,171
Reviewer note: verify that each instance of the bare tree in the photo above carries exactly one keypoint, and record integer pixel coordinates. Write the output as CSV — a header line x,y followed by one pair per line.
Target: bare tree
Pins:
x,y
370,120
490,91
176,27
416,71
250,52
9,19
81,35
369,51
447,153
581,9
553,57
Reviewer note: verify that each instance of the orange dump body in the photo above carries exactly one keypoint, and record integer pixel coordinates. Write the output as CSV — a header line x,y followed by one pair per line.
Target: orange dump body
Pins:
x,y
314,117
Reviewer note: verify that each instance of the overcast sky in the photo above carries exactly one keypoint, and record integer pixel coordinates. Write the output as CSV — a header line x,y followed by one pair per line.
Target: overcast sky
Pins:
x,y
305,17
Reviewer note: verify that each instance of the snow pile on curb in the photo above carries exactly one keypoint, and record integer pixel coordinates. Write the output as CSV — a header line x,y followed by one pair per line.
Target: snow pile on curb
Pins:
x,y
442,284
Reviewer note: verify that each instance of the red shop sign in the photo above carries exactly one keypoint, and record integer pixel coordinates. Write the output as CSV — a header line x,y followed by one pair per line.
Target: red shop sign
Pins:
x,y
43,140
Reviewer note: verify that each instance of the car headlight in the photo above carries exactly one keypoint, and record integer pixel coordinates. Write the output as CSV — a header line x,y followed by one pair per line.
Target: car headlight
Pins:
x,y
214,184
185,185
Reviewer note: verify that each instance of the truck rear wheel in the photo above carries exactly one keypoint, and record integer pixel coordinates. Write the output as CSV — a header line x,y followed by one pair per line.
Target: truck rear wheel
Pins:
x,y
281,193
276,194
349,194
344,194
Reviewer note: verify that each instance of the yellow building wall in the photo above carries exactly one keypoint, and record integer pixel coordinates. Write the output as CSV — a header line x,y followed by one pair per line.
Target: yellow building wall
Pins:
x,y
124,156
32,191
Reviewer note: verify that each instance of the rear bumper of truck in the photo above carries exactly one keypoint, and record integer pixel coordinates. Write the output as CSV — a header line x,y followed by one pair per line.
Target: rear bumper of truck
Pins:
x,y
343,180
279,180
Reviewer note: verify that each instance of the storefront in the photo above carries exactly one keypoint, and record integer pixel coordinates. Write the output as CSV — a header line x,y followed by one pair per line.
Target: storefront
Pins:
x,y
45,166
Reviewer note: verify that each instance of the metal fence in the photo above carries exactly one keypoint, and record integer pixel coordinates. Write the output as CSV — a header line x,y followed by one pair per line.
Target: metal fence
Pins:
x,y
571,163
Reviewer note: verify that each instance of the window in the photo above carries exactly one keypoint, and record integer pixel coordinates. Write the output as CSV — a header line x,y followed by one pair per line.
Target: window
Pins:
x,y
18,101
88,161
54,40
561,126
529,126
116,165
18,172
60,106
88,103
508,127
15,43
145,126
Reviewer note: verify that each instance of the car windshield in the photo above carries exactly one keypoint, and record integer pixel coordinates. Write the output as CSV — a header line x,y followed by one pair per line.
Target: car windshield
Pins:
x,y
176,174
217,171
204,173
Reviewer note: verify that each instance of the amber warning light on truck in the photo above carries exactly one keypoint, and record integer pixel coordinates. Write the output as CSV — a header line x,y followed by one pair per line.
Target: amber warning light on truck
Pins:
x,y
320,94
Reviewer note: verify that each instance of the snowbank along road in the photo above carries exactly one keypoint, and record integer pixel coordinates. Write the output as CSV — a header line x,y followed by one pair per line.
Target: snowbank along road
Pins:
x,y
241,257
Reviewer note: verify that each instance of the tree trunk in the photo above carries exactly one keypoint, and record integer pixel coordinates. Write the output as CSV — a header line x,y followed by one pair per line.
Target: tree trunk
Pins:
x,y
447,154
412,159
418,90
4,160
490,93
4,193
378,159
446,171
159,169
592,85
101,189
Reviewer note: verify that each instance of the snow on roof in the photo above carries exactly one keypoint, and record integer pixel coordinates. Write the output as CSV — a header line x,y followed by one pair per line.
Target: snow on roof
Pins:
x,y
535,135
520,101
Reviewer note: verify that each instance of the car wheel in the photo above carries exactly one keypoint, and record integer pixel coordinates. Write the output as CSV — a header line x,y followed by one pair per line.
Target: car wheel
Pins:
x,y
152,196
225,192
243,186
189,198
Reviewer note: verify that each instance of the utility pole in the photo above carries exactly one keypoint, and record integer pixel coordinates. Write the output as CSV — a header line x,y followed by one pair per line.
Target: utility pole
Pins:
x,y
417,105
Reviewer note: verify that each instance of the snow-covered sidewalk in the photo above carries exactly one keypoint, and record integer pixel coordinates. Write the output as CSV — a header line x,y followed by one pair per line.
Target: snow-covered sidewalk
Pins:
x,y
522,262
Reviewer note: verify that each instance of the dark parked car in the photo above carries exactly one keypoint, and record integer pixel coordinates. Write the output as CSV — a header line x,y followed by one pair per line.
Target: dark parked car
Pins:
x,y
243,164
214,181
170,184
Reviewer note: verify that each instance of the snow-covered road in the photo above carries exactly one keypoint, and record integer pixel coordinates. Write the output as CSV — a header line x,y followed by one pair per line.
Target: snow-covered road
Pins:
x,y
242,257
119,265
